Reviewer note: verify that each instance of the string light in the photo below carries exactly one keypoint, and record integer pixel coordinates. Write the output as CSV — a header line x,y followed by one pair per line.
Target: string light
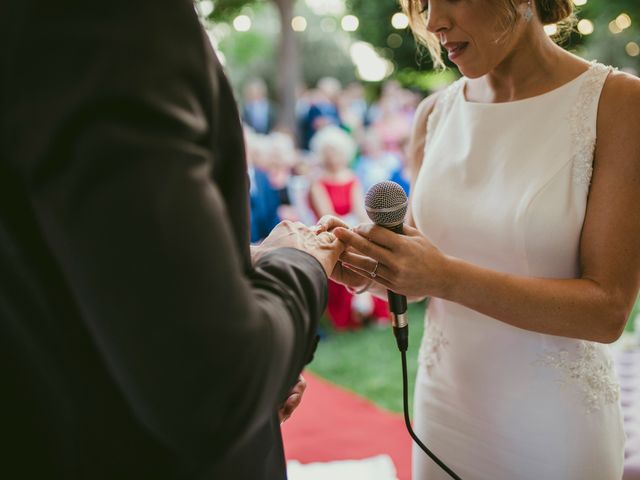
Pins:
x,y
623,21
205,7
586,27
633,49
350,23
399,21
614,28
299,24
394,40
242,23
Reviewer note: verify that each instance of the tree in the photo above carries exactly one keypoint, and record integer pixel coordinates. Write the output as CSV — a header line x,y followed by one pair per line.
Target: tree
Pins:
x,y
398,45
289,67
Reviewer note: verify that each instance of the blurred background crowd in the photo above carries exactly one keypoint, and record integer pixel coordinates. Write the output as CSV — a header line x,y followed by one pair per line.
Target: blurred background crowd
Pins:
x,y
341,147
328,90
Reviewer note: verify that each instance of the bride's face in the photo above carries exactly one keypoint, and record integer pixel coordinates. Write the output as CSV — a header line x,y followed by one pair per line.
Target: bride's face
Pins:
x,y
471,32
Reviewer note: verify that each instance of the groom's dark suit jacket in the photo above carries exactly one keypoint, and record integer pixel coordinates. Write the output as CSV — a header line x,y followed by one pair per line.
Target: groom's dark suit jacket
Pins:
x,y
136,339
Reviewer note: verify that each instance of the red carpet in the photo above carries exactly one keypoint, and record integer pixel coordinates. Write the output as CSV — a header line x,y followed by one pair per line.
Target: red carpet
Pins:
x,y
335,424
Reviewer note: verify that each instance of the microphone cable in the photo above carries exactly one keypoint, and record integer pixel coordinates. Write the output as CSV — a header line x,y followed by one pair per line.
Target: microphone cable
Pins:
x,y
407,420
386,204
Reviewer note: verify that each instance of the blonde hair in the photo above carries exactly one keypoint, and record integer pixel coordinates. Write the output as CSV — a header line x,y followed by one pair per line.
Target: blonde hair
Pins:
x,y
549,11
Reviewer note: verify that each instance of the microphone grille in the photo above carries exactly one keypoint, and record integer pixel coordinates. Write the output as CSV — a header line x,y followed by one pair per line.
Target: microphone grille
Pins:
x,y
386,204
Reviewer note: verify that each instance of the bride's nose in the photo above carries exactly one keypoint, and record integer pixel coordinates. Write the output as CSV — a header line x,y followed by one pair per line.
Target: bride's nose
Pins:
x,y
438,18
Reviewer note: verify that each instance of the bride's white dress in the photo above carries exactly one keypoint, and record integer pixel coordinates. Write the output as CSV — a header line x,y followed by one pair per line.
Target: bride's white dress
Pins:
x,y
505,186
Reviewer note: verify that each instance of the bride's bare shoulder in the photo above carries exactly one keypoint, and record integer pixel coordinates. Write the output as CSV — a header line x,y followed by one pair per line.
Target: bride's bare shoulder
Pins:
x,y
619,108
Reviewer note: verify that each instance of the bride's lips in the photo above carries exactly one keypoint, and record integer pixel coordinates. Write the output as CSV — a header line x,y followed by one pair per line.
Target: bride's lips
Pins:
x,y
455,49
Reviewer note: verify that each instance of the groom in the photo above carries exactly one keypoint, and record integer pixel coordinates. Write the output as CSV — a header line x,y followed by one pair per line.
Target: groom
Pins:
x,y
138,338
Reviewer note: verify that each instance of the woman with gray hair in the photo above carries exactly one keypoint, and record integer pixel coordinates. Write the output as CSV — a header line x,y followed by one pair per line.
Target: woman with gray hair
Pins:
x,y
337,192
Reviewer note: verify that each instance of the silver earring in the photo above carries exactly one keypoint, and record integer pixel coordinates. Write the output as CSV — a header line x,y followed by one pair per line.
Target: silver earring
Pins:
x,y
528,13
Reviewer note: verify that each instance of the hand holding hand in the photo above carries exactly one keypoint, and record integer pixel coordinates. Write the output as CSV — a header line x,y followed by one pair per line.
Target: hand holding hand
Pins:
x,y
340,273
408,264
323,245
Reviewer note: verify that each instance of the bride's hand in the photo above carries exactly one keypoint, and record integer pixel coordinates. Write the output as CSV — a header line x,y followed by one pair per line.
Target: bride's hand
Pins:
x,y
408,264
352,278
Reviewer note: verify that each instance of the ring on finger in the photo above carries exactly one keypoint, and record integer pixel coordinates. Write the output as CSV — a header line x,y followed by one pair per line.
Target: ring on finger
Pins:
x,y
374,272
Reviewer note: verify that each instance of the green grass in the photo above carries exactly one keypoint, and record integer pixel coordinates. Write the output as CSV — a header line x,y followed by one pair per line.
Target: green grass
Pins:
x,y
367,361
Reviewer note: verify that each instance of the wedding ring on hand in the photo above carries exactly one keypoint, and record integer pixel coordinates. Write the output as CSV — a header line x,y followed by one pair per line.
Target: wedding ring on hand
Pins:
x,y
374,273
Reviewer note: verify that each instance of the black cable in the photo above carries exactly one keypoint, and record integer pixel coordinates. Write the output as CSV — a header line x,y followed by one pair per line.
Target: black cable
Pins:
x,y
407,421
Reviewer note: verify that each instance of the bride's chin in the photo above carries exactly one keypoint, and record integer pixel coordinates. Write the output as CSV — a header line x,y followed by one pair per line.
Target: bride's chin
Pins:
x,y
470,72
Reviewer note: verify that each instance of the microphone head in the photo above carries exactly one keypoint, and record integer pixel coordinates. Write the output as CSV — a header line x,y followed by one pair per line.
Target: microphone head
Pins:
x,y
386,204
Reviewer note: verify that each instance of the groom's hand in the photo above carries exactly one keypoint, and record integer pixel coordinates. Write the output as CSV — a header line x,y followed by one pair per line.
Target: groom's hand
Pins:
x,y
293,400
328,223
342,273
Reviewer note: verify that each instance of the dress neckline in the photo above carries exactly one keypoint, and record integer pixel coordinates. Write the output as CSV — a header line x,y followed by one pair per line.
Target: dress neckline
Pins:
x,y
524,100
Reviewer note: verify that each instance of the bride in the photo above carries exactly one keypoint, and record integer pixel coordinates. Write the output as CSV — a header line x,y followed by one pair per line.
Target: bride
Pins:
x,y
524,232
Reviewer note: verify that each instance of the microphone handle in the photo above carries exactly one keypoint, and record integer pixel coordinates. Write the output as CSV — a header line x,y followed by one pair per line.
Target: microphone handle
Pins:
x,y
399,319
398,309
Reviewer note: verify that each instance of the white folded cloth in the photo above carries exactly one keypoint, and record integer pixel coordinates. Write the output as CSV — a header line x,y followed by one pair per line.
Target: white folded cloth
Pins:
x,y
374,468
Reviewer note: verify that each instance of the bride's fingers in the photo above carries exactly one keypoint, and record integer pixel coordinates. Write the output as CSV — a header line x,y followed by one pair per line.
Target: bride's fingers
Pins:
x,y
329,222
356,259
377,279
357,270
374,271
363,245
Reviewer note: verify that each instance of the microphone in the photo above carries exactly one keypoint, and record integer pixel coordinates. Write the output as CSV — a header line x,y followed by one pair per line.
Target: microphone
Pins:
x,y
386,205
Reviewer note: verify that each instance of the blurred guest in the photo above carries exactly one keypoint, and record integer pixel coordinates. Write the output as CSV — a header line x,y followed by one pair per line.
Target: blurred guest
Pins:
x,y
281,158
353,107
338,192
392,124
389,96
324,108
402,174
374,164
264,199
257,111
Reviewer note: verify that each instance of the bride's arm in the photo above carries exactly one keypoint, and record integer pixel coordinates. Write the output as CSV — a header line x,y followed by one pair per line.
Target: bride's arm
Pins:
x,y
593,307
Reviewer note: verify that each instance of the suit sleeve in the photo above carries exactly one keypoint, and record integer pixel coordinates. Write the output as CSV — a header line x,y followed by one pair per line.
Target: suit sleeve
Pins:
x,y
118,162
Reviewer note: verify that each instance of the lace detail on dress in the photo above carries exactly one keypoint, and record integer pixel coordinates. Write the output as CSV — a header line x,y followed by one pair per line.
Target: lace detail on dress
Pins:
x,y
433,341
583,134
442,105
591,371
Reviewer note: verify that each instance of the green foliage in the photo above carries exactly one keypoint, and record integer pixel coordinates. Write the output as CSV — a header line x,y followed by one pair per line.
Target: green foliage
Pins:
x,y
425,81
244,47
604,45
375,28
367,361
225,10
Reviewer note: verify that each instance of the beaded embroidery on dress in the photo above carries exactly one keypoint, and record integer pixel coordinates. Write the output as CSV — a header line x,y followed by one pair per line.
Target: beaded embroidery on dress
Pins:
x,y
583,134
590,370
433,341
